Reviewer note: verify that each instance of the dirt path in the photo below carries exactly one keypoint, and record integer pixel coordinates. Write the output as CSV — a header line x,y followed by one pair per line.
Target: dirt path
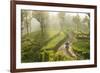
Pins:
x,y
67,51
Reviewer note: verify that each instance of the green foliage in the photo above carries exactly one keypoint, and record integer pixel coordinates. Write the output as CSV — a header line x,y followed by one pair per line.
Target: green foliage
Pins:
x,y
41,50
82,48
52,43
59,56
30,48
42,45
51,55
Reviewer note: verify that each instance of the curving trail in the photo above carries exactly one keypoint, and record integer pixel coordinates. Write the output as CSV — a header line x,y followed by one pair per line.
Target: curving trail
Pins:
x,y
67,51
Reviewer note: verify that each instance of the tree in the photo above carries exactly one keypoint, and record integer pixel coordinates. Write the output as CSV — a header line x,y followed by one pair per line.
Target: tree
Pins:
x,y
25,22
42,17
86,22
77,21
61,16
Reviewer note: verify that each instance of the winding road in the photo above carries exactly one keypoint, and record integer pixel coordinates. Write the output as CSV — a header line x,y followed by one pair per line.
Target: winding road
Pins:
x,y
67,51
